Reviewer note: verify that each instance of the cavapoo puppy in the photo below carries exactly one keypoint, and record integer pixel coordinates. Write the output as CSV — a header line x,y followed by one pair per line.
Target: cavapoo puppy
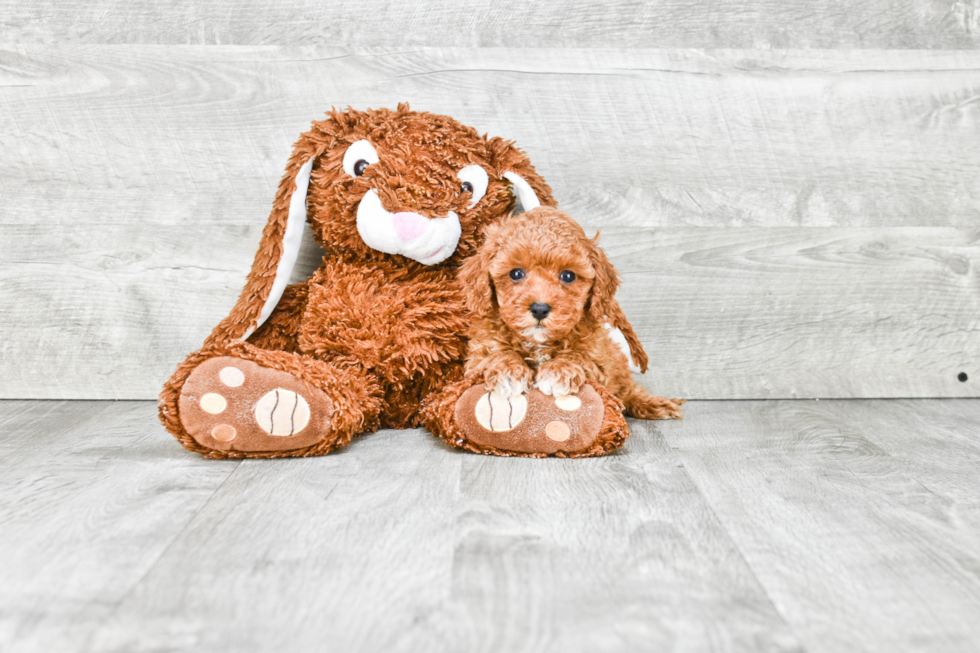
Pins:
x,y
540,291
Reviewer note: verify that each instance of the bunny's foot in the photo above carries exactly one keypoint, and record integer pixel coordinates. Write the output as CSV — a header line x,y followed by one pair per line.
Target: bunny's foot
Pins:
x,y
588,423
265,404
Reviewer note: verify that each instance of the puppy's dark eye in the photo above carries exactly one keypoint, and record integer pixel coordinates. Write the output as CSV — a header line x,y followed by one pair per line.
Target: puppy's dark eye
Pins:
x,y
360,166
567,276
516,274
467,187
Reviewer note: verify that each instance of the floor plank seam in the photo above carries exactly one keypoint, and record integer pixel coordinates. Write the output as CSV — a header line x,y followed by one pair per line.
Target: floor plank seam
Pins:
x,y
741,554
122,600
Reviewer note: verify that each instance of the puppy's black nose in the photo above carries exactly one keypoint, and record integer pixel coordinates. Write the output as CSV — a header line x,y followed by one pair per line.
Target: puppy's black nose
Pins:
x,y
539,310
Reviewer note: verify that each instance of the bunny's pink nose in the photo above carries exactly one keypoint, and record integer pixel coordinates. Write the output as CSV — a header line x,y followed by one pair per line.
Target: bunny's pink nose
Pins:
x,y
410,225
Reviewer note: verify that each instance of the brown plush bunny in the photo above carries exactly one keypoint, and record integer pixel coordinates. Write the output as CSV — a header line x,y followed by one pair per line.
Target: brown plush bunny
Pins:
x,y
397,199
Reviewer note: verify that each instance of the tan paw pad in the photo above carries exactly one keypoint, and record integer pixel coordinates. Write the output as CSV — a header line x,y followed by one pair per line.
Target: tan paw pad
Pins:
x,y
569,403
224,432
231,376
498,413
557,431
282,412
213,403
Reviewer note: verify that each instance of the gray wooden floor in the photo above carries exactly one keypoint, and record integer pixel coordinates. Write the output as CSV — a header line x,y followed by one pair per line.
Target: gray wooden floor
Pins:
x,y
750,526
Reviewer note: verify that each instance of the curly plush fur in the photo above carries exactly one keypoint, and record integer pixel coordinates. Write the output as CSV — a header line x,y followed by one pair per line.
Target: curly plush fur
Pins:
x,y
542,292
376,332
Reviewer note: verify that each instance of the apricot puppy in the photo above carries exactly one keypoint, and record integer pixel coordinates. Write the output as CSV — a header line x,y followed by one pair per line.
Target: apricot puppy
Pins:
x,y
541,293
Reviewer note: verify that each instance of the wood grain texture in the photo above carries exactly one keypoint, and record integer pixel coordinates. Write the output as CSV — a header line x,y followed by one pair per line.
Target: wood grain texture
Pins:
x,y
385,23
91,495
827,527
741,313
136,180
723,313
616,554
348,552
633,137
400,544
860,547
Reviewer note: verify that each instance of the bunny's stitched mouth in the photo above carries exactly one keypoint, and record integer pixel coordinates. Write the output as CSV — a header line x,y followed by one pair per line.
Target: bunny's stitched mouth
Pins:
x,y
436,253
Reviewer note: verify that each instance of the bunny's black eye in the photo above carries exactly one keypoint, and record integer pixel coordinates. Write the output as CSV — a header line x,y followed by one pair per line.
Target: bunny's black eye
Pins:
x,y
567,276
359,156
516,274
474,181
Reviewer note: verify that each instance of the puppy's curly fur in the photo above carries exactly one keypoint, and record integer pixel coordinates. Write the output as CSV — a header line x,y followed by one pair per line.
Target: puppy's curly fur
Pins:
x,y
541,294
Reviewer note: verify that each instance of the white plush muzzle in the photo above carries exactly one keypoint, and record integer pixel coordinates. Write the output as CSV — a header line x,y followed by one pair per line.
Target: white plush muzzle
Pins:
x,y
426,240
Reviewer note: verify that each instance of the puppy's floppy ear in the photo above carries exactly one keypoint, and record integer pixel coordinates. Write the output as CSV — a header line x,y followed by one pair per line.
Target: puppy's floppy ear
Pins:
x,y
513,165
602,296
474,275
282,235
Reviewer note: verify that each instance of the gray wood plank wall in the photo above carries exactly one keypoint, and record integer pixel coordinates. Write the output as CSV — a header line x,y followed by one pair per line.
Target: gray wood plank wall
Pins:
x,y
509,23
790,223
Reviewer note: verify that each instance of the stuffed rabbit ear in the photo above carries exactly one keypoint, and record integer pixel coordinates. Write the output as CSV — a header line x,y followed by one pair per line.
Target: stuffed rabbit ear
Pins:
x,y
619,339
277,252
527,196
526,184
292,238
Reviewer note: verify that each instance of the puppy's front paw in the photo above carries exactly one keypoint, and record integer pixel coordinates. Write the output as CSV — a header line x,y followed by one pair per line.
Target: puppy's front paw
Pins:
x,y
559,378
508,379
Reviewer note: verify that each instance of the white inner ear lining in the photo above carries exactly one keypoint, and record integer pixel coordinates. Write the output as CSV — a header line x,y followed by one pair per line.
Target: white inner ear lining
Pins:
x,y
529,199
620,340
292,238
